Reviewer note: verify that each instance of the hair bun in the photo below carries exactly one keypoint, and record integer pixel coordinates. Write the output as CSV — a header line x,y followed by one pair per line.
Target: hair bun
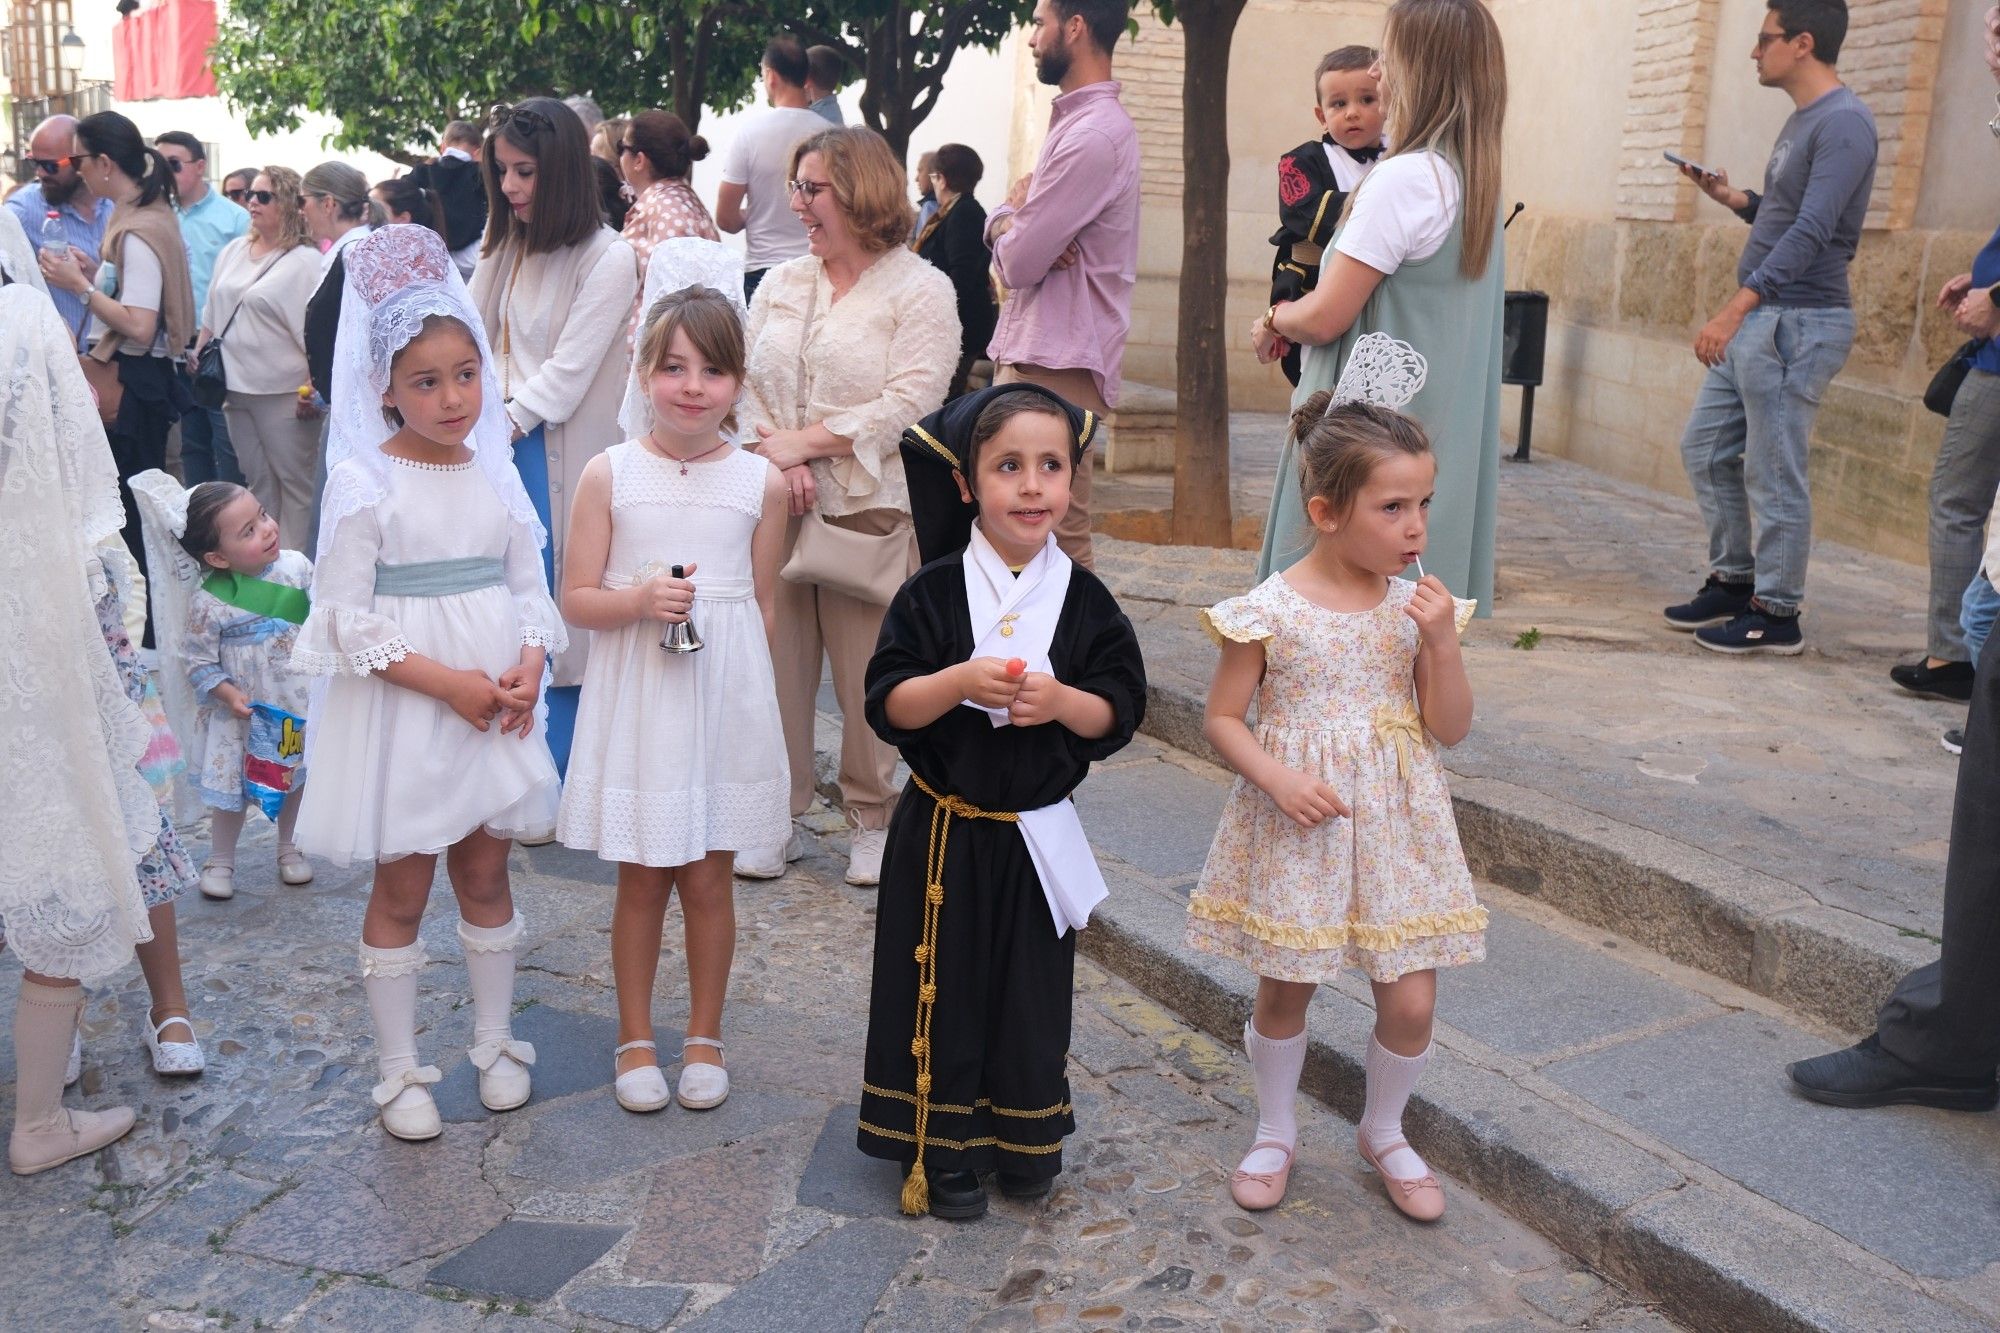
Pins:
x,y
697,148
1308,413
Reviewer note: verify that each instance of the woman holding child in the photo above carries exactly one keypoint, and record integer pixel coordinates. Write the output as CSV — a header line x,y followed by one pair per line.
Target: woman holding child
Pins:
x,y
1418,256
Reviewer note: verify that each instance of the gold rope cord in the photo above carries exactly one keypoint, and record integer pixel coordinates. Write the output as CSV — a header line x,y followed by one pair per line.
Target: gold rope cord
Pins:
x,y
916,1186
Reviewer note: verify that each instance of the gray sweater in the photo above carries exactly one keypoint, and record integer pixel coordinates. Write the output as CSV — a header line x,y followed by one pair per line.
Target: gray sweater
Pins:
x,y
1805,226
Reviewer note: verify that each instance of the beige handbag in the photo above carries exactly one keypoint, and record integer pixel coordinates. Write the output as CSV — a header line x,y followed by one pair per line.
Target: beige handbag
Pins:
x,y
866,566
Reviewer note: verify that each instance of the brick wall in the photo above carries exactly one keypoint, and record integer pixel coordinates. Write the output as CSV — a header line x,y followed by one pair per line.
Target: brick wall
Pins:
x,y
1666,108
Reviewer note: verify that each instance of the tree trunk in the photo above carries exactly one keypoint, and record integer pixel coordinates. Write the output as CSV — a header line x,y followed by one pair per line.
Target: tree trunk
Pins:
x,y
1202,514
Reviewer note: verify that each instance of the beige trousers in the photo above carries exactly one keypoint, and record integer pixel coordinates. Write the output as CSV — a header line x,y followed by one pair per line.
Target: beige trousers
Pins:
x,y
278,453
812,620
1080,387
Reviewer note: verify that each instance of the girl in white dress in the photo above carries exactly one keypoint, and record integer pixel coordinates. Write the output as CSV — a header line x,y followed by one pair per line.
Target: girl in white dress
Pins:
x,y
227,606
431,613
679,757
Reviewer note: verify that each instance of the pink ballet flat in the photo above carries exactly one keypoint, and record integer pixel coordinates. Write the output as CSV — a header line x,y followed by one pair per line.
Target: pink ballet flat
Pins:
x,y
1420,1199
1255,1191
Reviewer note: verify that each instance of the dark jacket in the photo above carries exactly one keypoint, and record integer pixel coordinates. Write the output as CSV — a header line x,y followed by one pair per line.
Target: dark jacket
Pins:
x,y
462,192
956,243
322,323
1309,204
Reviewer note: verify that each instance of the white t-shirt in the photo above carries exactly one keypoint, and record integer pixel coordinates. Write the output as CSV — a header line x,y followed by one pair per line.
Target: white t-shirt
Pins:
x,y
137,286
760,158
1404,212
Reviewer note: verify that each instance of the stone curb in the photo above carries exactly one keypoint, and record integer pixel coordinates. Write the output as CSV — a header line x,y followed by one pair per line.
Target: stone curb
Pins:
x,y
1712,1254
1695,908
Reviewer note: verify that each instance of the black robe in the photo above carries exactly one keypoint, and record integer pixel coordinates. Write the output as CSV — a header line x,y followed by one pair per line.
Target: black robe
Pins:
x,y
1000,1020
1309,204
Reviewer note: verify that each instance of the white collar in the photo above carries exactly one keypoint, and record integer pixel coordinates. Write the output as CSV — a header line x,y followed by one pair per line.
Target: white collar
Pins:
x,y
1014,616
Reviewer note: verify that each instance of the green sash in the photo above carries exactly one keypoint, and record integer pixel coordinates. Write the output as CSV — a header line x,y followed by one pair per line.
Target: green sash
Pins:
x,y
260,597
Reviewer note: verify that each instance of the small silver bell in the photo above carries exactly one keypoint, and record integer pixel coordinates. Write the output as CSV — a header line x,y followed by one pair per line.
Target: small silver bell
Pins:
x,y
679,637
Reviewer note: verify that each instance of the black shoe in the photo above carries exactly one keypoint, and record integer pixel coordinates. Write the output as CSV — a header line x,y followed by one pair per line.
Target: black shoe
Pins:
x,y
1716,602
1951,681
1755,631
957,1196
1953,741
1024,1187
1866,1075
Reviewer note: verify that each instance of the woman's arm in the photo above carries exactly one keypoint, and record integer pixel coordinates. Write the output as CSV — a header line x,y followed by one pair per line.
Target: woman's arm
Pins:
x,y
767,549
1329,310
134,324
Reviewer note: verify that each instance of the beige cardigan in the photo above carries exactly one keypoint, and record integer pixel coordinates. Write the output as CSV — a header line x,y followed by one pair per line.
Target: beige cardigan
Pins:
x,y
563,366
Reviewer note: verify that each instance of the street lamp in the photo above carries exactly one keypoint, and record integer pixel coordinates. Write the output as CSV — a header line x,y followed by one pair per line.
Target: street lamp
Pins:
x,y
71,52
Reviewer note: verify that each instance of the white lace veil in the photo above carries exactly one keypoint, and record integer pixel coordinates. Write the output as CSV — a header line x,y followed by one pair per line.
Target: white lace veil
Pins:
x,y
676,263
173,577
17,254
397,277
79,813
1382,370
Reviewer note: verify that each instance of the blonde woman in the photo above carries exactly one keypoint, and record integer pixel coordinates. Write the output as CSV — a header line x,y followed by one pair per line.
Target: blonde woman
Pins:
x,y
257,305
849,344
1418,256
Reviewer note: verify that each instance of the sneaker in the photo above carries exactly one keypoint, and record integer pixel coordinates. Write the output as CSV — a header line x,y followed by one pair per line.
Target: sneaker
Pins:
x,y
1866,1075
1953,741
1716,602
864,856
1755,631
1952,681
771,862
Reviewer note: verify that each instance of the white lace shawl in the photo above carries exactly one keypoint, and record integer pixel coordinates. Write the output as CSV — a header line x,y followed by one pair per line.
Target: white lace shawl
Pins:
x,y
79,813
174,576
17,254
677,262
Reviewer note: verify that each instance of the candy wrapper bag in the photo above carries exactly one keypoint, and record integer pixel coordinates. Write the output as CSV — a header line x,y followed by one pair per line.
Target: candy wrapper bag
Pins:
x,y
271,755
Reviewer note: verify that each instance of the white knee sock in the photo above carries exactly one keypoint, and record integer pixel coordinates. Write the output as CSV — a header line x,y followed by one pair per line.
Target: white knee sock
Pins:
x,y
224,828
45,1020
390,978
1391,1080
489,962
1276,1065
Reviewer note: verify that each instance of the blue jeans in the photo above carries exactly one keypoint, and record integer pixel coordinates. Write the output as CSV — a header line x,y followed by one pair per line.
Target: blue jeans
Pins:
x,y
531,460
1746,442
1977,611
206,453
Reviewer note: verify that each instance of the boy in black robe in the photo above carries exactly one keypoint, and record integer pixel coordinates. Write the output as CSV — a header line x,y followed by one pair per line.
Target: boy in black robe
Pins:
x,y
1315,178
969,1015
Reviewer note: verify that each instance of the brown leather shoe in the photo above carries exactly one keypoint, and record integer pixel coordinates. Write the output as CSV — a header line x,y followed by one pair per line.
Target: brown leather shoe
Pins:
x,y
1421,1199
1255,1191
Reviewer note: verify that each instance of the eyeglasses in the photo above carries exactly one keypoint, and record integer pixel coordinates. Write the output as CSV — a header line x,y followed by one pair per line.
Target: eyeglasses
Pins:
x,y
264,197
236,196
625,148
1764,39
810,189
174,164
532,121
49,166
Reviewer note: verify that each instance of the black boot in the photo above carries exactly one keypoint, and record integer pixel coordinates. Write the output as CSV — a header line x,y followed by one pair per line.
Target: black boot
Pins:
x,y
1866,1075
956,1196
1024,1187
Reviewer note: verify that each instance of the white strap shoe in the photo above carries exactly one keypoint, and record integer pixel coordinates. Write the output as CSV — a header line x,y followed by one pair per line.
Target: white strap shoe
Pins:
x,y
408,1112
701,1086
177,1059
503,1072
643,1089
293,868
219,883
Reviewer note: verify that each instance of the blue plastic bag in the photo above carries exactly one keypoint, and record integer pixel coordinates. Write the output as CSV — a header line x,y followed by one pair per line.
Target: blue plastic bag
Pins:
x,y
271,756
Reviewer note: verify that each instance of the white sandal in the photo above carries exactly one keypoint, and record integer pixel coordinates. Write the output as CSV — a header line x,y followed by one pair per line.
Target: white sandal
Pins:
x,y
175,1058
701,1086
293,868
643,1089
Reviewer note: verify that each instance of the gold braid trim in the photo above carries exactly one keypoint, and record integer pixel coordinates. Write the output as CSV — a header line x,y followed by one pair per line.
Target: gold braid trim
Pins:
x,y
916,1186
1376,939
961,1145
983,1104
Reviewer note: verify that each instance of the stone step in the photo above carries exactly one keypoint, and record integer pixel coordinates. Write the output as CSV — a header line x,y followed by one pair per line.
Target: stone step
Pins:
x,y
1140,433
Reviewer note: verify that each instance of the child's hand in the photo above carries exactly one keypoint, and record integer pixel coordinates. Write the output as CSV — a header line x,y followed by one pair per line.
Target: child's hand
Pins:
x,y
474,697
667,599
235,700
521,686
1036,702
1434,611
1307,801
988,683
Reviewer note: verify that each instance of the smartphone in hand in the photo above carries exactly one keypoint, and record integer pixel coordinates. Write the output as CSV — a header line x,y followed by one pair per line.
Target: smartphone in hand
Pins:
x,y
1680,161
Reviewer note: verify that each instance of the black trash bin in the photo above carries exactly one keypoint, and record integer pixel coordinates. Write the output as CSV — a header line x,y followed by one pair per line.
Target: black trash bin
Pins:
x,y
1524,337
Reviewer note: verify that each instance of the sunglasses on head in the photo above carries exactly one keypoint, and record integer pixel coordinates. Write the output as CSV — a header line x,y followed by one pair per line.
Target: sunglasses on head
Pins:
x,y
264,197
49,166
532,121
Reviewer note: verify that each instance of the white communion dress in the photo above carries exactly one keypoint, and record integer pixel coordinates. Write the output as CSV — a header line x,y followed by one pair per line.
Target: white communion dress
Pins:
x,y
438,568
678,755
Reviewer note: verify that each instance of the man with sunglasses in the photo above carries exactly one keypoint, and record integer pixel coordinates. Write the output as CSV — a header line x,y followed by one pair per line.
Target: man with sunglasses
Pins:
x,y
208,222
52,154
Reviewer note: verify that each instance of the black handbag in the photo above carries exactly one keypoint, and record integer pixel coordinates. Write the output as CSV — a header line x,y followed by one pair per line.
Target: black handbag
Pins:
x,y
1944,385
210,382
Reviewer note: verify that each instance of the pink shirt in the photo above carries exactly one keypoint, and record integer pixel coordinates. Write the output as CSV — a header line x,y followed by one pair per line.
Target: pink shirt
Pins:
x,y
1086,189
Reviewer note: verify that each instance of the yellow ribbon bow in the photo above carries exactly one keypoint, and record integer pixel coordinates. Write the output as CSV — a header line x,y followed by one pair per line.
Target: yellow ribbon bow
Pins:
x,y
1402,725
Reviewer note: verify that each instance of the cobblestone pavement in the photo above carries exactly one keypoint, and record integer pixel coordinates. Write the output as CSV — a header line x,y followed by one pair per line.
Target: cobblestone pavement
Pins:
x,y
262,1195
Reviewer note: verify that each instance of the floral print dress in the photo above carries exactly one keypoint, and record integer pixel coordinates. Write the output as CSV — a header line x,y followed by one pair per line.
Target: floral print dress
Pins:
x,y
165,871
1386,891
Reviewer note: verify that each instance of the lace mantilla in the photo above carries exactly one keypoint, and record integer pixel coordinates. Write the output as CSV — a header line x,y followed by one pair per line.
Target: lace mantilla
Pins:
x,y
361,663
676,263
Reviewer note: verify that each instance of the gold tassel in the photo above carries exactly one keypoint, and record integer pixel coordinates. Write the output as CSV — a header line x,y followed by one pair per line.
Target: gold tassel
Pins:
x,y
916,1190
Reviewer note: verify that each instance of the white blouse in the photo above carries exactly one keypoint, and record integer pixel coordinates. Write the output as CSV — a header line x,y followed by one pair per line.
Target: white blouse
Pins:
x,y
265,351
1404,212
877,361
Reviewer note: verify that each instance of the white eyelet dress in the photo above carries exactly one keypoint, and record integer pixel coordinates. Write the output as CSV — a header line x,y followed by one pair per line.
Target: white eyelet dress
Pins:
x,y
394,771
677,755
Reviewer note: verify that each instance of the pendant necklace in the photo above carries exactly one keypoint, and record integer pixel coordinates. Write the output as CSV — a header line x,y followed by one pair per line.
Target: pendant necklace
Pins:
x,y
693,458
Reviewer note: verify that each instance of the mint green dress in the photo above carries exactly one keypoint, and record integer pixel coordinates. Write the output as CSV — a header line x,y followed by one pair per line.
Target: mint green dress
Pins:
x,y
1454,321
